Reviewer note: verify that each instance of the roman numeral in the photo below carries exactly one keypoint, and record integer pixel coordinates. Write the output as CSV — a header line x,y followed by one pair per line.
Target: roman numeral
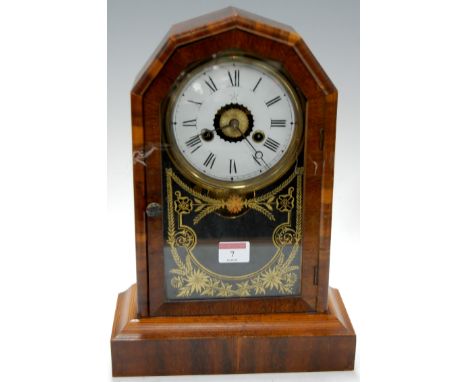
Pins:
x,y
195,142
278,123
211,85
259,80
232,166
234,78
209,161
271,144
273,101
194,102
190,123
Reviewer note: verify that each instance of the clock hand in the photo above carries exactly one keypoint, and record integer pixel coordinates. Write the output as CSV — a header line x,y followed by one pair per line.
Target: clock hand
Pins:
x,y
204,131
258,154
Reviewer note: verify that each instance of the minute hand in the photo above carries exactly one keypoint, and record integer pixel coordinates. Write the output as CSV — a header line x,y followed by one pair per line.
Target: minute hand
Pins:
x,y
235,125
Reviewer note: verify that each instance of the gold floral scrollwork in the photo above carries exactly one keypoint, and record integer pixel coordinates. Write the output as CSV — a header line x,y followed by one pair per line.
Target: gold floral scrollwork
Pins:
x,y
190,277
235,204
190,282
204,205
185,237
285,203
183,204
284,235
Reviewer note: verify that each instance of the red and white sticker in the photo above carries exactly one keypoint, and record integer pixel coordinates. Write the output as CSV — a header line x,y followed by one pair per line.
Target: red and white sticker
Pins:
x,y
234,252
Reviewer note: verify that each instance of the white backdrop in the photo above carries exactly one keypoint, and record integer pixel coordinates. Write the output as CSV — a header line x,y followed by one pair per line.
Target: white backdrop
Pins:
x,y
60,271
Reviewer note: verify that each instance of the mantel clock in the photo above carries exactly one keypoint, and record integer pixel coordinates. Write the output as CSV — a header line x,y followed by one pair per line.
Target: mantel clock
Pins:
x,y
233,143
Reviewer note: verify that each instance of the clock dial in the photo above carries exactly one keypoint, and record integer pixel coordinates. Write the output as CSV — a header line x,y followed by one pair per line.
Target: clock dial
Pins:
x,y
234,121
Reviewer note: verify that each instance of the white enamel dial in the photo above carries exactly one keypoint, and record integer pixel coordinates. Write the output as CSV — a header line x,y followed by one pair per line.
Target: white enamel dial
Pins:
x,y
233,120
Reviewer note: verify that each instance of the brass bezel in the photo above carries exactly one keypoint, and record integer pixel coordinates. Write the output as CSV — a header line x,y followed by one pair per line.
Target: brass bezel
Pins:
x,y
258,182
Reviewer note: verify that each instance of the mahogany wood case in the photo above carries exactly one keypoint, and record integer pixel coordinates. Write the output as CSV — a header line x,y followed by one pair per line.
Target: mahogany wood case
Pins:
x,y
309,332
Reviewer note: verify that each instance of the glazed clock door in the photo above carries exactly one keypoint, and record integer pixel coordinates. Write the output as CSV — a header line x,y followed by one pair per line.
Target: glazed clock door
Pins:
x,y
232,187
233,142
233,131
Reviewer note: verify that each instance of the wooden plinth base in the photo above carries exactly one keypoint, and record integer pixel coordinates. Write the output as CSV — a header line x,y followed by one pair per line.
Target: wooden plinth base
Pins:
x,y
231,344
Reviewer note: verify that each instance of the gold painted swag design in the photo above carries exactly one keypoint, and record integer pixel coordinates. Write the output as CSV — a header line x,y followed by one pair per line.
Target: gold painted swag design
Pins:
x,y
191,277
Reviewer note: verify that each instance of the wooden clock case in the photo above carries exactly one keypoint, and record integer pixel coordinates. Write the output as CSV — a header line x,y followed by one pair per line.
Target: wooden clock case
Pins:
x,y
310,332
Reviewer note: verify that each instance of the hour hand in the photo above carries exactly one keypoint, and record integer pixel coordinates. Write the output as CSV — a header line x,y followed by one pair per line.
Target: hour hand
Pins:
x,y
208,131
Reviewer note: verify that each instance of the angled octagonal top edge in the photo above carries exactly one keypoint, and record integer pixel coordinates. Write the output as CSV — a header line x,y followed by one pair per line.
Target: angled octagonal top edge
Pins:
x,y
222,21
224,15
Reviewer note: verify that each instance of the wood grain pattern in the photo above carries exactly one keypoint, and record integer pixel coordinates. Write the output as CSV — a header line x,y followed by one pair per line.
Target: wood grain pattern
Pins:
x,y
195,41
231,344
310,332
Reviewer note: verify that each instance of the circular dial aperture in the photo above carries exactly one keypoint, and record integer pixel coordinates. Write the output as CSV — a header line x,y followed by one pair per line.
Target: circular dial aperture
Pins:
x,y
234,119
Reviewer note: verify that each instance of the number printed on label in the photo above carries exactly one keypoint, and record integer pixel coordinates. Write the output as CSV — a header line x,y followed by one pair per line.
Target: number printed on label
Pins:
x,y
234,252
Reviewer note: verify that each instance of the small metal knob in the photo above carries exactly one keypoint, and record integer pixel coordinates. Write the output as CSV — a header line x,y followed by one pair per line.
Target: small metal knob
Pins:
x,y
153,210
